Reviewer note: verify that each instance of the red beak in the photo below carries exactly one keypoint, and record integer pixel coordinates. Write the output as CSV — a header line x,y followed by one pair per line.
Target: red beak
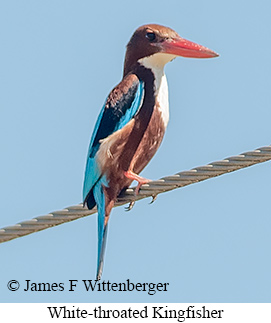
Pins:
x,y
186,48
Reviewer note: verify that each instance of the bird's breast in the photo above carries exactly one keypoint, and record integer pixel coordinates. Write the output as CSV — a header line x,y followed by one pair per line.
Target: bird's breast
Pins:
x,y
150,141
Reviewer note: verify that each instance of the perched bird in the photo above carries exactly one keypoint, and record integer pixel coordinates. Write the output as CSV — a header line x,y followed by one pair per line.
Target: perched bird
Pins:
x,y
132,122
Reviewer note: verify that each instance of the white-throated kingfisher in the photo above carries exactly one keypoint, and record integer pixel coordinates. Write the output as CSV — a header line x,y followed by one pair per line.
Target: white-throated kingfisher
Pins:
x,y
132,122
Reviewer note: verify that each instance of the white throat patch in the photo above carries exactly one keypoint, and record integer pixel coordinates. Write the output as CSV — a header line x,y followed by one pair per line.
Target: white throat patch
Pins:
x,y
156,64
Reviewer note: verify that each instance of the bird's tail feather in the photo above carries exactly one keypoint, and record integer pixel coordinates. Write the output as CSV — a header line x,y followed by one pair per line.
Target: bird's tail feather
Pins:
x,y
101,255
100,198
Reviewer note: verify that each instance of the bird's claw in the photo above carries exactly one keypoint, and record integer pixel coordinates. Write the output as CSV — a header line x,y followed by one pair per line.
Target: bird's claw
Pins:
x,y
132,203
130,206
154,197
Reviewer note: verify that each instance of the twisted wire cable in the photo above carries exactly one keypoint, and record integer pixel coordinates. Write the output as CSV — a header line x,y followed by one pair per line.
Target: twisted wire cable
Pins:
x,y
152,189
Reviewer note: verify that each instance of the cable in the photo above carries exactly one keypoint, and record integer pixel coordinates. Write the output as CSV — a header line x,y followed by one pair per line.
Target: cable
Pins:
x,y
153,188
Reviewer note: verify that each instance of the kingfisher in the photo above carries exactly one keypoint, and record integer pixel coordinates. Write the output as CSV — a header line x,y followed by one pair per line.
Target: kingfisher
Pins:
x,y
132,122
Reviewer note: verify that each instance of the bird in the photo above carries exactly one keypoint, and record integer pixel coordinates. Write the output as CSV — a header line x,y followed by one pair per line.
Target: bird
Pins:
x,y
132,122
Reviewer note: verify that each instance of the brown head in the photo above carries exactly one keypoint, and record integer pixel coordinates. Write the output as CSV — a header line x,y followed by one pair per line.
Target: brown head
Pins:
x,y
150,39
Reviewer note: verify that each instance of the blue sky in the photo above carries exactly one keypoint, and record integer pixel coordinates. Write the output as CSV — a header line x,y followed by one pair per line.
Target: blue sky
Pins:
x,y
210,241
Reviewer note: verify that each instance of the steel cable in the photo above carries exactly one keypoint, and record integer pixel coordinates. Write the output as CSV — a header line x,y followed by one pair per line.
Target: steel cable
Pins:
x,y
153,188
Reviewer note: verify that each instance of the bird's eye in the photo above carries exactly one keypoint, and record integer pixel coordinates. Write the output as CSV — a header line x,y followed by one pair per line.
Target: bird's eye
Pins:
x,y
151,36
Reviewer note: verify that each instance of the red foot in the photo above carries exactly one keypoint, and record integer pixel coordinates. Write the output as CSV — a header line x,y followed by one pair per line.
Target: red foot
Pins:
x,y
141,180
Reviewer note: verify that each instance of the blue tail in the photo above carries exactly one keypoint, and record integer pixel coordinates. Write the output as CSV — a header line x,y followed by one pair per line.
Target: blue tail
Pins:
x,y
98,192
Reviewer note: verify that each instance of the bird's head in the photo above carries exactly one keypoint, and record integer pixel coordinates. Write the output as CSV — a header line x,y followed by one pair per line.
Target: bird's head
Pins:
x,y
152,39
